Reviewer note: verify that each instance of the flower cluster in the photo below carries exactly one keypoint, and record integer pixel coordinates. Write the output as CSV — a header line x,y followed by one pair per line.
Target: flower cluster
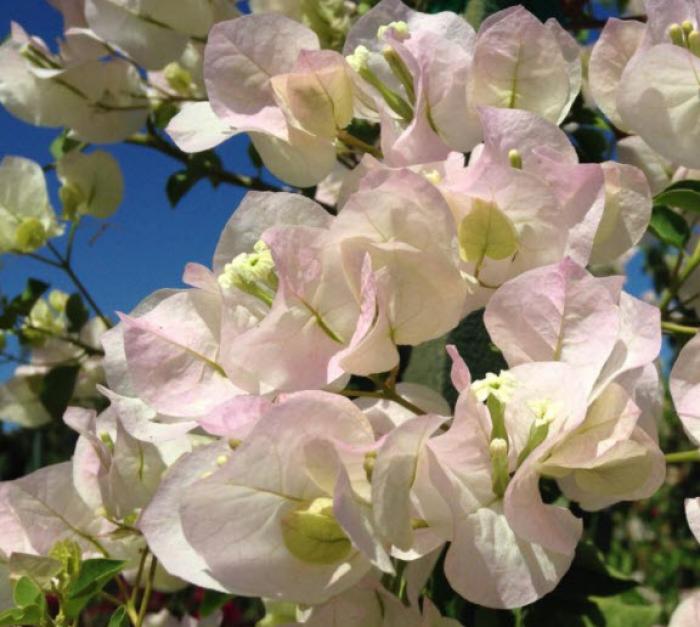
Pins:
x,y
258,439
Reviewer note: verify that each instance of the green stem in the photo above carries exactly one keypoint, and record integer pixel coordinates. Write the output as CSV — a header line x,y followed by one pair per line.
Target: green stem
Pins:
x,y
147,591
683,457
355,142
680,276
672,327
387,395
65,265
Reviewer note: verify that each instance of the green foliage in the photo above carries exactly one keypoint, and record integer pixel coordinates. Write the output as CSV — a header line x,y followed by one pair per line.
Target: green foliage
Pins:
x,y
76,312
669,226
93,575
202,165
57,389
63,144
119,618
31,608
430,365
683,195
19,306
212,602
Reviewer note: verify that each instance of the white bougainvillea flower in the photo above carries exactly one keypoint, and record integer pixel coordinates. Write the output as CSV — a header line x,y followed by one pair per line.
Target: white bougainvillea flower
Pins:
x,y
508,221
618,42
302,523
73,12
92,184
113,471
296,98
20,402
520,63
49,509
370,604
414,68
525,141
687,614
101,100
659,170
628,204
603,336
162,527
402,222
172,354
27,219
645,78
685,388
153,33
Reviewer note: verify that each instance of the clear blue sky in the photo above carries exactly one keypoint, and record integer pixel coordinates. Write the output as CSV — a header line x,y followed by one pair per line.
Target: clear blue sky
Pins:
x,y
146,243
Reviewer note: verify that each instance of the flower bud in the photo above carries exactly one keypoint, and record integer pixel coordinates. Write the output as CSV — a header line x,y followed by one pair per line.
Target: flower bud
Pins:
x,y
400,30
694,43
58,300
73,200
675,33
312,534
516,159
30,235
498,449
178,78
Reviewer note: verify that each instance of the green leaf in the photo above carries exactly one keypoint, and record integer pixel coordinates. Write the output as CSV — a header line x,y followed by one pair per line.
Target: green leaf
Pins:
x,y
688,184
669,227
76,312
684,199
178,185
430,365
64,144
57,389
212,601
119,618
27,593
22,304
165,112
619,612
31,615
94,574
589,575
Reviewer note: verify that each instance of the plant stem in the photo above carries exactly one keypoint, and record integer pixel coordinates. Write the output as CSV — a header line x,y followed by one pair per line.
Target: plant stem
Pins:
x,y
355,142
683,457
147,591
387,395
680,277
672,327
68,269
223,176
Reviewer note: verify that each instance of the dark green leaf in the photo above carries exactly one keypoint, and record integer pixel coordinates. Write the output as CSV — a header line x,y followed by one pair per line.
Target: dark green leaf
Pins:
x,y
57,389
178,185
165,112
669,227
27,593
689,184
22,304
93,576
589,575
430,365
212,601
76,312
684,199
119,618
94,573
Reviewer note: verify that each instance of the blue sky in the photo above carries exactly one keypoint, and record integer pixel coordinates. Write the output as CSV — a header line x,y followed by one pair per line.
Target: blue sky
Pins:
x,y
146,244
